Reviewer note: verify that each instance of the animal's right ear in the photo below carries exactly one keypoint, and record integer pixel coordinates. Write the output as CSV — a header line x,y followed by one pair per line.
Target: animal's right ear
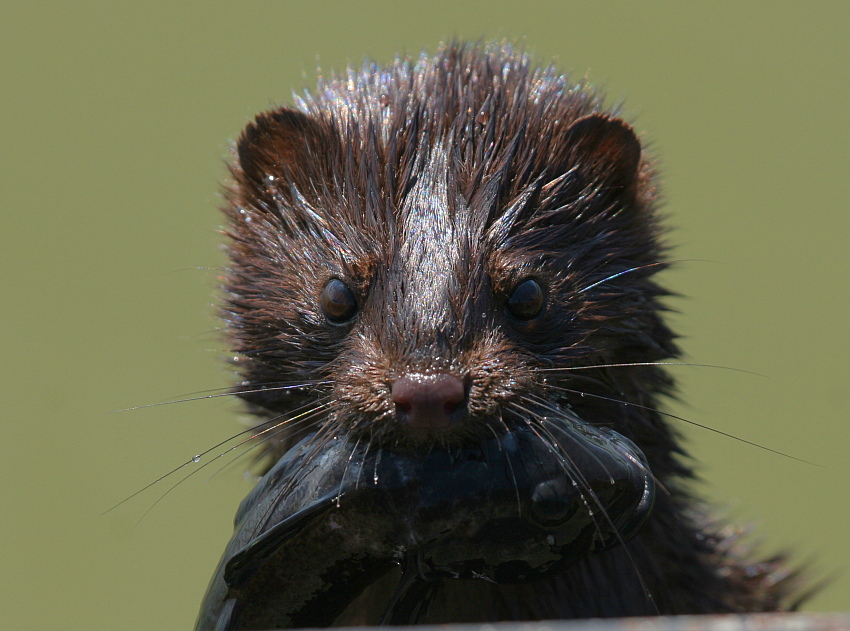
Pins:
x,y
282,145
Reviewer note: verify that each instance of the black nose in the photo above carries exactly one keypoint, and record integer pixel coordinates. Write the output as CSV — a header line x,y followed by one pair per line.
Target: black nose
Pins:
x,y
429,401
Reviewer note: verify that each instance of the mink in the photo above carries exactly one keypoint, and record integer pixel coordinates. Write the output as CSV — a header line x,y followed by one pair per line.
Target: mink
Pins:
x,y
442,302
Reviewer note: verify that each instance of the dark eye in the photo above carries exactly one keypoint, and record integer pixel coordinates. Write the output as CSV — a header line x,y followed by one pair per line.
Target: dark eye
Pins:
x,y
338,302
526,301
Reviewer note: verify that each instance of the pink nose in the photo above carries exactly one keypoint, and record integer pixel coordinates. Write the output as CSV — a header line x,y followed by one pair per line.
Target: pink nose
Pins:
x,y
429,401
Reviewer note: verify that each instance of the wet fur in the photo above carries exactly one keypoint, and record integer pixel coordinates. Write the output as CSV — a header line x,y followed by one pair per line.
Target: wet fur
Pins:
x,y
431,187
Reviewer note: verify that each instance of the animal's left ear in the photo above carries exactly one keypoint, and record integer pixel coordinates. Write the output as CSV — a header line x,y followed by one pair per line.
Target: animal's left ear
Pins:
x,y
606,151
283,143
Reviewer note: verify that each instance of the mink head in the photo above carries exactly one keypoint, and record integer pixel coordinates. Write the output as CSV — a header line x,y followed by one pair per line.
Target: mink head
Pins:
x,y
465,221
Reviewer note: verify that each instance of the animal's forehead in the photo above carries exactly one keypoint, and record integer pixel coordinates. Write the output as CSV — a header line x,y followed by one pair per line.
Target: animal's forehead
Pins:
x,y
429,249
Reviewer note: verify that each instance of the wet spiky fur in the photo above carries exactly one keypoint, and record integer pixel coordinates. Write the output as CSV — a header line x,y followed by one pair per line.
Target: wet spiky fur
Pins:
x,y
431,188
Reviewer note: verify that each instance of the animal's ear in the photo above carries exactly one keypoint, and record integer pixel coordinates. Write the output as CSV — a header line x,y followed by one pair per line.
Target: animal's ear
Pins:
x,y
605,150
282,144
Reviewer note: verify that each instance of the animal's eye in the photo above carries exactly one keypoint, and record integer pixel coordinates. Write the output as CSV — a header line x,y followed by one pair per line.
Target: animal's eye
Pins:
x,y
526,301
337,301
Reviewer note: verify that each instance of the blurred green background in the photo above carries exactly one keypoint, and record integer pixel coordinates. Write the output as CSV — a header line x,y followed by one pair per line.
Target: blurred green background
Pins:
x,y
116,118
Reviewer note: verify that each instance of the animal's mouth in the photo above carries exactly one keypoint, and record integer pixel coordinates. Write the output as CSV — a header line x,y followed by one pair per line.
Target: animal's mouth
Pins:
x,y
323,524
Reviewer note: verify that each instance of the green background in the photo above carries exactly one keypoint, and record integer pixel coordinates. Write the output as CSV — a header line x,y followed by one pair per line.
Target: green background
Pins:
x,y
116,119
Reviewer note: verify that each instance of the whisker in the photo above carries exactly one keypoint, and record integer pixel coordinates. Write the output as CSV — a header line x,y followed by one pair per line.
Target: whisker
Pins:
x,y
590,367
199,469
574,473
582,486
640,465
232,393
569,466
549,406
554,410
294,480
193,460
345,470
377,462
268,432
197,458
268,385
684,420
266,441
640,267
510,464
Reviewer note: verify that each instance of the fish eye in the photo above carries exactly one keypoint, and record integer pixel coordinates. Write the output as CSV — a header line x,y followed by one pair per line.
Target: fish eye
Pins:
x,y
337,302
526,300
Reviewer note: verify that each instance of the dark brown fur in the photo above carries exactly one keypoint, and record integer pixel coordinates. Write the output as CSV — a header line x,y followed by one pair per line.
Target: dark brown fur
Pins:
x,y
431,188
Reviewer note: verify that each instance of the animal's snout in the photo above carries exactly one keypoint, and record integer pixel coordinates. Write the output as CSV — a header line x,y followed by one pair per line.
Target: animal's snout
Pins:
x,y
429,401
